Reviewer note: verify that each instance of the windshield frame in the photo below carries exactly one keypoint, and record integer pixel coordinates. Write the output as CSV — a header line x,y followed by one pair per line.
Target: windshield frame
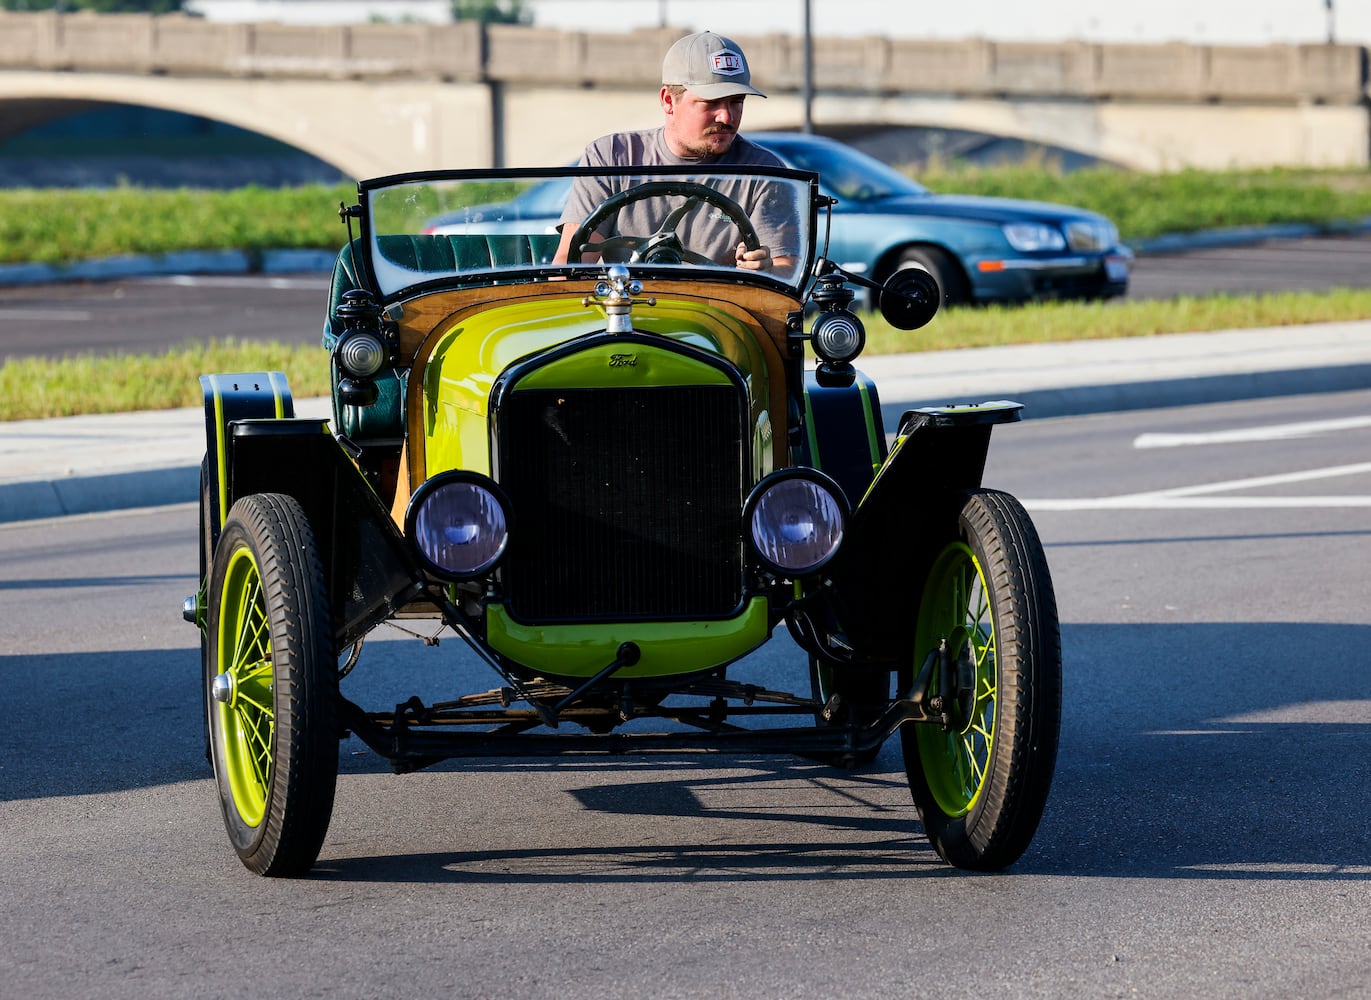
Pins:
x,y
805,185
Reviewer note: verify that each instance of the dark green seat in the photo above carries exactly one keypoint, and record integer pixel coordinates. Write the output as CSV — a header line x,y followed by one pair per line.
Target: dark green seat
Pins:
x,y
383,421
443,254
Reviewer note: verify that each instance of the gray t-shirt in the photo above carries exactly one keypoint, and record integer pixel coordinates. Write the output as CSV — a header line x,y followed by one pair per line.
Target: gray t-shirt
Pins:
x,y
705,229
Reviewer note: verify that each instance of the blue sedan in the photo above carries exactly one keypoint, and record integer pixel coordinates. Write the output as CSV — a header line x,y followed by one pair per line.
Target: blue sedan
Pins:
x,y
979,249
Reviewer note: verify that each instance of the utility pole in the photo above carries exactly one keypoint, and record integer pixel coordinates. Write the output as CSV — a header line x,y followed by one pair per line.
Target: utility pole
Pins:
x,y
1328,6
809,68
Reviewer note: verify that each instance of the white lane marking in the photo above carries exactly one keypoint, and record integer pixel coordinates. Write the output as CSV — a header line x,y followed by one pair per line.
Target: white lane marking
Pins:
x,y
1279,479
1195,498
51,315
1274,432
1145,502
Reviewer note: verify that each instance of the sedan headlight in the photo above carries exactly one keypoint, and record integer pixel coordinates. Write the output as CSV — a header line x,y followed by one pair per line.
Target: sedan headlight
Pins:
x,y
1091,235
795,520
1027,237
458,524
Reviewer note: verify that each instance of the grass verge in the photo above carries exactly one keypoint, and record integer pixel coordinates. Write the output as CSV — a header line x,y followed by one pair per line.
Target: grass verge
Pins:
x,y
37,388
59,226
32,388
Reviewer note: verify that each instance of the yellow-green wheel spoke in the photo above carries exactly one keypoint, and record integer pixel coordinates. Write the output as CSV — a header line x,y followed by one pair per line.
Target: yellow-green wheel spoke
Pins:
x,y
249,716
956,763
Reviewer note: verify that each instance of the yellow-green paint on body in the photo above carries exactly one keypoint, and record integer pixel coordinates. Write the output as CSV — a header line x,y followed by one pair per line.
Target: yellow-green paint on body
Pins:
x,y
465,362
667,648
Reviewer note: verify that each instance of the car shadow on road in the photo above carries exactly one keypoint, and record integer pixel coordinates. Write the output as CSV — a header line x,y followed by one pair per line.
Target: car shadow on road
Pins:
x,y
1260,803
1189,751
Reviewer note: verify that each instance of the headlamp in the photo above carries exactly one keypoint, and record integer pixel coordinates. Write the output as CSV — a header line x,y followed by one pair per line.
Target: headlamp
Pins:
x,y
838,336
795,521
458,524
361,354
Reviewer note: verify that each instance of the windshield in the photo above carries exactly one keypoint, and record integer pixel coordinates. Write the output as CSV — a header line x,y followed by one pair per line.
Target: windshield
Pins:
x,y
473,227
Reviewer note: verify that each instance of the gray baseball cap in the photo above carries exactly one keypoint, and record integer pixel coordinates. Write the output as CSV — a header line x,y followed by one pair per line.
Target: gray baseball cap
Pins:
x,y
710,66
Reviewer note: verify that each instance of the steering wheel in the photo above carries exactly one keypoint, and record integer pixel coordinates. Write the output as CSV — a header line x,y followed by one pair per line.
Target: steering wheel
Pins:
x,y
663,246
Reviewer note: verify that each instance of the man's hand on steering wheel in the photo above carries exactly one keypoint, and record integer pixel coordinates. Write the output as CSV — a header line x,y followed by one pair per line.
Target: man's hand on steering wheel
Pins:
x,y
753,260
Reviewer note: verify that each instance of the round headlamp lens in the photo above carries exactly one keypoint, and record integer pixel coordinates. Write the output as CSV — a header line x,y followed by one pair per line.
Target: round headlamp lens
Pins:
x,y
797,525
838,336
460,528
361,355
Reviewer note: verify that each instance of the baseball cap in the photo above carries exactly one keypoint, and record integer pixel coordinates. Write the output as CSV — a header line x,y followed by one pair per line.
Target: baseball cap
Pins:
x,y
710,66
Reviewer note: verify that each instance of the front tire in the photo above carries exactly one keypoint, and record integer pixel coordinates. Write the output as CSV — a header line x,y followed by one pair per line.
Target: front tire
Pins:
x,y
981,781
273,686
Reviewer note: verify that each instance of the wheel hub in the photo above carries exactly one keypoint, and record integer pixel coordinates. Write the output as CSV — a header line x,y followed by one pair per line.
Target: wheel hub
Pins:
x,y
221,688
962,677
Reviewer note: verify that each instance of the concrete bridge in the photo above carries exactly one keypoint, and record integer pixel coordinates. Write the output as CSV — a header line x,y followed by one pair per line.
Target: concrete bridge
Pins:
x,y
381,98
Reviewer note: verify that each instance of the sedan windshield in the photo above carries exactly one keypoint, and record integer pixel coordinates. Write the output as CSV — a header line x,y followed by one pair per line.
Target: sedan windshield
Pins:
x,y
847,174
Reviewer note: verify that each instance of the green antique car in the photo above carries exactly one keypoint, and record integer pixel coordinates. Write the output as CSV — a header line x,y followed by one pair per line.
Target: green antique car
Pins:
x,y
614,478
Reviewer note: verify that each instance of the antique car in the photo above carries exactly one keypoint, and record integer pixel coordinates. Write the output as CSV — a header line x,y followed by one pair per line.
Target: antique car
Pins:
x,y
615,479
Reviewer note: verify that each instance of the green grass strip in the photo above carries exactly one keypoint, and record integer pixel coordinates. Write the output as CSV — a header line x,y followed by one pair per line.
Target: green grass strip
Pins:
x,y
32,388
61,226
42,387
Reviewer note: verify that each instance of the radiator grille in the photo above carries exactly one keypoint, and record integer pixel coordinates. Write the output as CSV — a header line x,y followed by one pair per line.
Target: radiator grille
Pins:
x,y
626,502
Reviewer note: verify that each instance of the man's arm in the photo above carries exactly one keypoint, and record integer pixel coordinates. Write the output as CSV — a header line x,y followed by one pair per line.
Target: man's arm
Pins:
x,y
564,253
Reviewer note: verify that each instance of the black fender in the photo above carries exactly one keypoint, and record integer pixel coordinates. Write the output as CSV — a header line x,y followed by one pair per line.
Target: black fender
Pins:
x,y
230,397
906,517
844,436
368,567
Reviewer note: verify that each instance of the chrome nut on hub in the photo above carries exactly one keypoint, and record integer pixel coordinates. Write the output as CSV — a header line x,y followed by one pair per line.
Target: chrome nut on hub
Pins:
x,y
221,689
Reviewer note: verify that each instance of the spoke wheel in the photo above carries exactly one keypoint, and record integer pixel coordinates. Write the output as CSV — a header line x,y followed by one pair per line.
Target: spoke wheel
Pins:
x,y
988,619
272,686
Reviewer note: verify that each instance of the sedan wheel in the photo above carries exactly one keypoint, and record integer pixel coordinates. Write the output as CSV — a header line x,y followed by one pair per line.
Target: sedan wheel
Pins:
x,y
944,269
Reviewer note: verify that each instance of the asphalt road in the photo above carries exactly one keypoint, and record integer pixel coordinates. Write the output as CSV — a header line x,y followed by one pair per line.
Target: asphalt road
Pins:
x,y
153,314
1208,833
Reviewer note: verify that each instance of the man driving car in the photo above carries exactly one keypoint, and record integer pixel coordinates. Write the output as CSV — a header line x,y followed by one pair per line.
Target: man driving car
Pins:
x,y
705,79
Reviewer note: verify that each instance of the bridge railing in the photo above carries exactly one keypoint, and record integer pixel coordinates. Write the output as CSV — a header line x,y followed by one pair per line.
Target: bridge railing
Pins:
x,y
176,44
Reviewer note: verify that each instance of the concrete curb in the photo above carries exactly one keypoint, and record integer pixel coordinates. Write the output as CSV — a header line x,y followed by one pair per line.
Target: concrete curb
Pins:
x,y
1244,236
35,500
188,262
1082,400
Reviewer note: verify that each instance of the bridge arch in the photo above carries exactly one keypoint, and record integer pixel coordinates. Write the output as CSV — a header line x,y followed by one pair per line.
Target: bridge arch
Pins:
x,y
362,128
376,98
23,113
